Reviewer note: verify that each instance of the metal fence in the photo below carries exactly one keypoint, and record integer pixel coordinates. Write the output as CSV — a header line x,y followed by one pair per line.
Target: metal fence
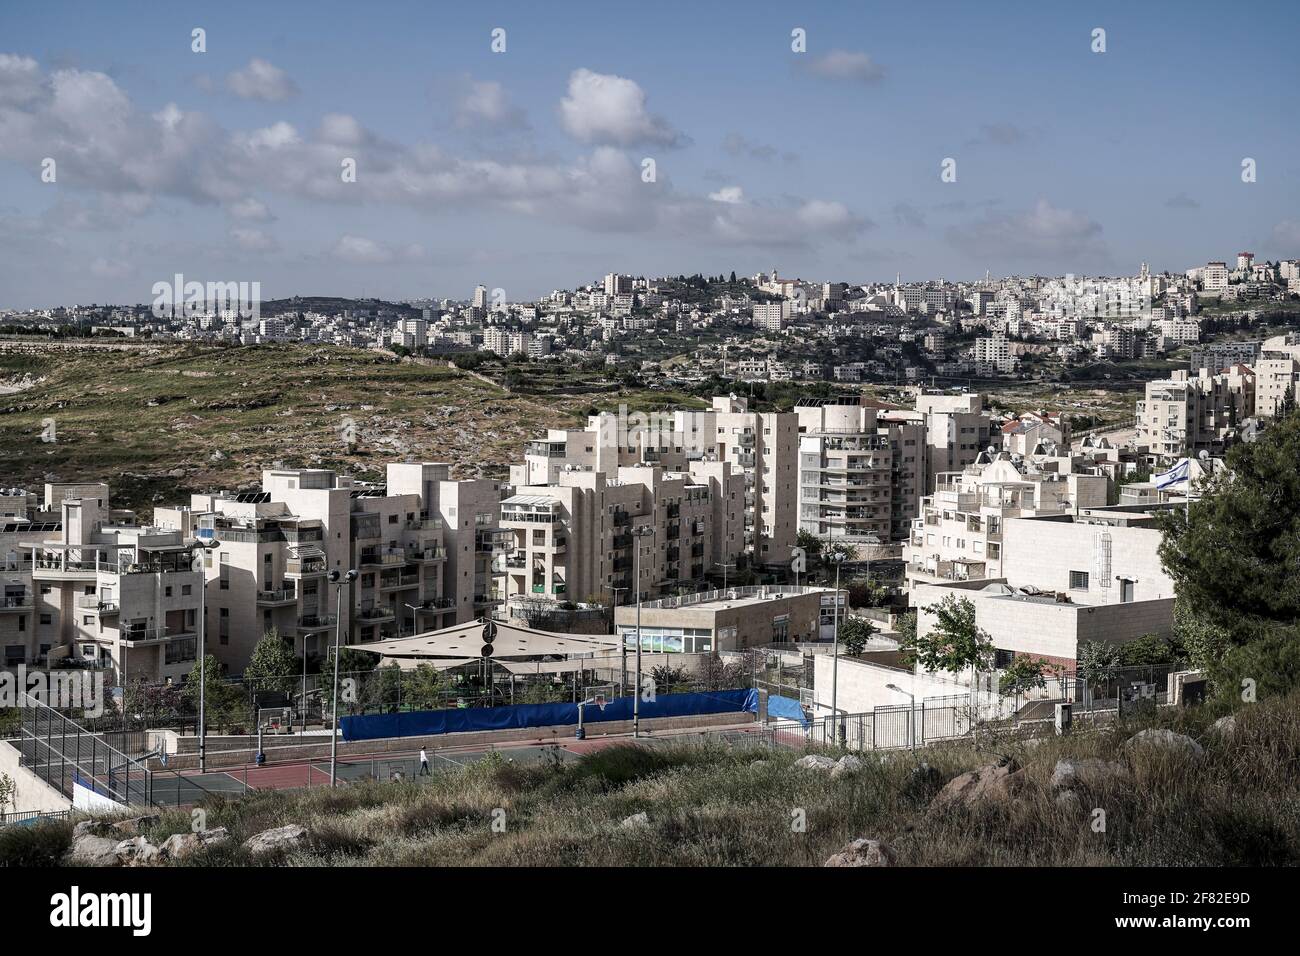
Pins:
x,y
60,751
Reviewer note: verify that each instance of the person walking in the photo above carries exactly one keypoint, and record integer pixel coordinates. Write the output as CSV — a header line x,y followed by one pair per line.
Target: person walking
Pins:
x,y
424,763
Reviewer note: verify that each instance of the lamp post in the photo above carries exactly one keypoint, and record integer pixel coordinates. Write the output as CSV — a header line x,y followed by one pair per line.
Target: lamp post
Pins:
x,y
415,617
838,559
199,555
911,720
339,578
622,644
638,532
724,565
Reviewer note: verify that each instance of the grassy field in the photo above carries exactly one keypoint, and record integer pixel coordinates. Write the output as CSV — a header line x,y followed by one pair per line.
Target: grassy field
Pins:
x,y
158,422
1237,805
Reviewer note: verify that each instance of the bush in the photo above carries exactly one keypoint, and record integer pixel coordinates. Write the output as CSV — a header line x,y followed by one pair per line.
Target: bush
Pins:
x,y
1272,662
43,844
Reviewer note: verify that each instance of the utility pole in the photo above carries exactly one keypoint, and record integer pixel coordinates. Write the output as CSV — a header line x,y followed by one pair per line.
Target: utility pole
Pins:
x,y
339,578
638,532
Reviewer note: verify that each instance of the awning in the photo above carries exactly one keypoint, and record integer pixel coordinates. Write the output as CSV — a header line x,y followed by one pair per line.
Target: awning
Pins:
x,y
511,640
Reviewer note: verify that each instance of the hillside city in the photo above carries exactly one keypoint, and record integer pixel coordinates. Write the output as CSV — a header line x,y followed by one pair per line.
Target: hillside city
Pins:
x,y
680,438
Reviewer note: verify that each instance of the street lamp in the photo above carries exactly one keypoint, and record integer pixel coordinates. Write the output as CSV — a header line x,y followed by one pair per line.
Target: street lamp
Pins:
x,y
837,558
911,720
338,578
199,552
638,532
613,627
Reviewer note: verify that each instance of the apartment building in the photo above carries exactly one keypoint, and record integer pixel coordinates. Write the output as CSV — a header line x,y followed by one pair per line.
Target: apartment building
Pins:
x,y
992,355
86,585
861,470
959,534
957,429
574,540
1066,580
1277,372
1186,413
1214,277
422,545
771,316
1218,356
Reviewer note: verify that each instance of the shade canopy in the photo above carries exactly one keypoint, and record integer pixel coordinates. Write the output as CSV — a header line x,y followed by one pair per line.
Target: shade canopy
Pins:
x,y
464,641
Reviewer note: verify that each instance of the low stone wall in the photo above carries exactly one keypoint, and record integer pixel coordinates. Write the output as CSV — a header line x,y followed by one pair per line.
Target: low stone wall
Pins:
x,y
32,793
294,749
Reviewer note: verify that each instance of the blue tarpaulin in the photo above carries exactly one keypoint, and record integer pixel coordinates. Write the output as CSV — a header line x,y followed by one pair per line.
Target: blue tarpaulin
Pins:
x,y
787,708
421,722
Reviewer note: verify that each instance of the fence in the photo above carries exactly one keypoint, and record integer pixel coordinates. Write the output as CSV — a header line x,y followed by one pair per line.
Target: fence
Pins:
x,y
59,750
31,817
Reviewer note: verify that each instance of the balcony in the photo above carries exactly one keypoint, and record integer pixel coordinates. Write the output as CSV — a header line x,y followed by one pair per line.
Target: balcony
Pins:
x,y
369,615
304,567
282,596
144,636
16,602
437,604
92,603
380,557
621,541
316,622
426,555
53,569
398,582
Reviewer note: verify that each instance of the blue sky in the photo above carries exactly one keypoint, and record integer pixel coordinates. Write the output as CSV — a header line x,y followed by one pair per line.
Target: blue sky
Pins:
x,y
522,169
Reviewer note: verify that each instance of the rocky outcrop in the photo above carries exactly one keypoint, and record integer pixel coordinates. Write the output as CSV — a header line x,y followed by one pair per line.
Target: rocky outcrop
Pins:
x,y
1089,772
1167,740
864,852
997,782
281,838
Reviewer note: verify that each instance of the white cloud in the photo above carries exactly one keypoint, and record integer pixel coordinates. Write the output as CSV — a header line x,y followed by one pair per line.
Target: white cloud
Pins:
x,y
341,129
857,67
261,80
250,210
1043,232
485,103
603,108
363,251
20,79
253,240
732,194
127,159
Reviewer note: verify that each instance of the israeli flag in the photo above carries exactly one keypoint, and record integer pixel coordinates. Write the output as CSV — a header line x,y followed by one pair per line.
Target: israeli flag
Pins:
x,y
1175,476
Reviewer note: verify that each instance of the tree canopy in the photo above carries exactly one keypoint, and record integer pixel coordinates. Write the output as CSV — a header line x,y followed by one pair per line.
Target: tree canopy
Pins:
x,y
1235,560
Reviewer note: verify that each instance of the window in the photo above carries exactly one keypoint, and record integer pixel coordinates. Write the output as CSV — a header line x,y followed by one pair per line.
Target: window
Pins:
x,y
392,519
186,589
46,619
1078,580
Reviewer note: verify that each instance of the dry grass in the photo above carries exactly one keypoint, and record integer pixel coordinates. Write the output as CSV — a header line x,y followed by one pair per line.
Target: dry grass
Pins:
x,y
1237,805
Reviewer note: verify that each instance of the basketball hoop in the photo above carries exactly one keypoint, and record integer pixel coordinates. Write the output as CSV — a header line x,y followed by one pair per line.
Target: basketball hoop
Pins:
x,y
599,701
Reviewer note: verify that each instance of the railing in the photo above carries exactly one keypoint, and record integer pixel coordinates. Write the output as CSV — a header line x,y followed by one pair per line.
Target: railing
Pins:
x,y
63,754
311,621
16,600
274,597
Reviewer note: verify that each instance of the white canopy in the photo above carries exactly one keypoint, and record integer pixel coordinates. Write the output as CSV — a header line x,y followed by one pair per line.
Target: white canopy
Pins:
x,y
512,640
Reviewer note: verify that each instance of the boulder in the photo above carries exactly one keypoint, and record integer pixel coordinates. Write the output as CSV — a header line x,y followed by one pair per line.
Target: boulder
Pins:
x,y
133,826
138,851
1086,772
281,838
178,846
1166,740
864,852
89,849
1068,801
635,822
999,781
845,765
815,762
1224,727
